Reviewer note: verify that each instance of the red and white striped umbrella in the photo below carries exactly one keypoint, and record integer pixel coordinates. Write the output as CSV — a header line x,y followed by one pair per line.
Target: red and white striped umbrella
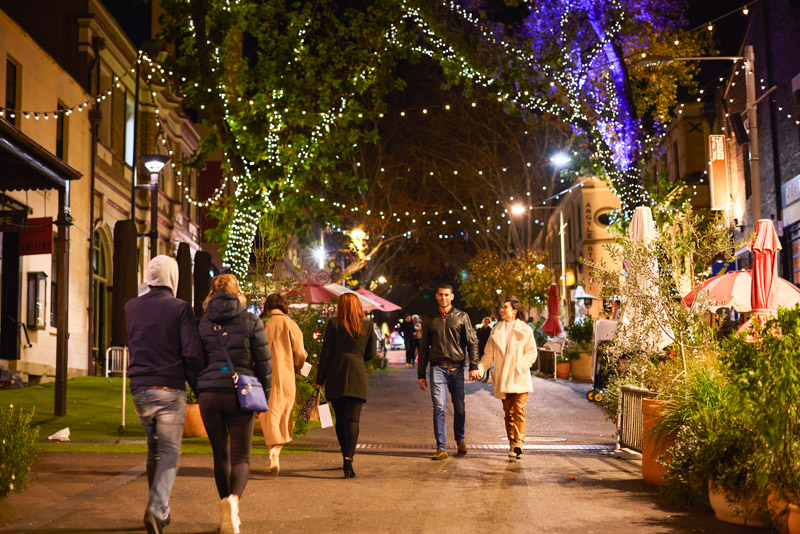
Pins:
x,y
732,290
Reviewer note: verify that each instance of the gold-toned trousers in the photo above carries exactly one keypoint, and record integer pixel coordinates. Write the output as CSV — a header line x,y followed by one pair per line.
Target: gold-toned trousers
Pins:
x,y
514,408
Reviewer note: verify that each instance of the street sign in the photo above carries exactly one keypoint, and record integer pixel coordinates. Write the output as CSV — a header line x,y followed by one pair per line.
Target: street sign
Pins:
x,y
323,277
37,238
13,220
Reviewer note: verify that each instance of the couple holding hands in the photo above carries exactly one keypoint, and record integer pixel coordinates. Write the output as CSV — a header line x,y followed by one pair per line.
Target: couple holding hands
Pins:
x,y
511,350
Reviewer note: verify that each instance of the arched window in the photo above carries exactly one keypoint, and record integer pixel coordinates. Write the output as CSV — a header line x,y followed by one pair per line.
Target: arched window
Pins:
x,y
101,320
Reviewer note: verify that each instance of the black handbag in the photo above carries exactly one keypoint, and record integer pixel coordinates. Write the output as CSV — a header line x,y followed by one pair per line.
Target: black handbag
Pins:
x,y
249,390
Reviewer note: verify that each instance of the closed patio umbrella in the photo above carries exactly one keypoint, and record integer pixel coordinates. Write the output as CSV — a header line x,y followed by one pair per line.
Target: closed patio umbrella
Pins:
x,y
202,280
184,260
766,246
551,326
124,279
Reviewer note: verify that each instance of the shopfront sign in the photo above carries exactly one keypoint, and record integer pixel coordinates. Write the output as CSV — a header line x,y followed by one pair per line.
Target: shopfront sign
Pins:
x,y
718,172
37,238
13,220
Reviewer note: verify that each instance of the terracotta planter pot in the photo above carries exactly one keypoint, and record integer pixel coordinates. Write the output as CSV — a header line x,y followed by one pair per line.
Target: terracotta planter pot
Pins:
x,y
193,426
779,511
652,448
793,523
582,367
562,370
742,512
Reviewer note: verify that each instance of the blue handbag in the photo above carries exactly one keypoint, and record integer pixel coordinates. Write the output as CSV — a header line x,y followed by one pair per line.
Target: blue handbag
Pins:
x,y
249,390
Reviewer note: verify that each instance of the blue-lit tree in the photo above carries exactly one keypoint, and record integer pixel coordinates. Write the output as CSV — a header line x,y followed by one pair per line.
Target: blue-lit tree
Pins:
x,y
575,59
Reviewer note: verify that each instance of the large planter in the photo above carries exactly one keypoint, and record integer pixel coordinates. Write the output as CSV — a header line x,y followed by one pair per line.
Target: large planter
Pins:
x,y
562,370
793,522
193,426
582,367
652,448
738,512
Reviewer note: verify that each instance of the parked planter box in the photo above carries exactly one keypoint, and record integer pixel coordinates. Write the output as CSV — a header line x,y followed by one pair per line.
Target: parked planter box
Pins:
x,y
582,367
193,427
652,448
563,370
742,512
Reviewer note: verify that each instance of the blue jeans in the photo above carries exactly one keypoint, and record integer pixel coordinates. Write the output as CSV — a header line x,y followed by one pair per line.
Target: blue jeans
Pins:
x,y
162,413
442,378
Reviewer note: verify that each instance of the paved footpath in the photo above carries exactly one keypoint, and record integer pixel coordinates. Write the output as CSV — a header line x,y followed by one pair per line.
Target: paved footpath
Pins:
x,y
567,482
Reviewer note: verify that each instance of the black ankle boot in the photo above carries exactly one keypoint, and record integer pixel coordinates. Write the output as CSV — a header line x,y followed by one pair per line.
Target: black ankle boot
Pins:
x,y
347,467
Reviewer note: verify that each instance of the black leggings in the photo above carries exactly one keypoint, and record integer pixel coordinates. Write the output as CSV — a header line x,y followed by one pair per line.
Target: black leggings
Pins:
x,y
348,413
222,417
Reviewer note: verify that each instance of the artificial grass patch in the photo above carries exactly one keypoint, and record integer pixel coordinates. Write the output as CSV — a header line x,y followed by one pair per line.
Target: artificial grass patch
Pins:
x,y
94,414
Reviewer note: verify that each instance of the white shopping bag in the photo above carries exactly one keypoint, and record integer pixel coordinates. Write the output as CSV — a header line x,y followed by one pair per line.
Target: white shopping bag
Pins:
x,y
325,419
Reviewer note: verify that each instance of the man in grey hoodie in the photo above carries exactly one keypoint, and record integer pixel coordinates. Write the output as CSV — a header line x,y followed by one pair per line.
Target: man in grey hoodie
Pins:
x,y
165,353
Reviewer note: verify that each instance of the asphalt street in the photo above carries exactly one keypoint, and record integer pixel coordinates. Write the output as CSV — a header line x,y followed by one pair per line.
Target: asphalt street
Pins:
x,y
568,480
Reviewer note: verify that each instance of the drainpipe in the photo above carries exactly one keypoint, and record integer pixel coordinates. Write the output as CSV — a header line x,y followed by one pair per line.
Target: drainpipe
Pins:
x,y
94,121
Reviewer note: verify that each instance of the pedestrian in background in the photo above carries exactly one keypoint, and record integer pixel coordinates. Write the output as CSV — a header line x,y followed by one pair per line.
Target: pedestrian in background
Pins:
x,y
445,335
512,350
483,334
349,342
227,325
288,357
165,354
417,336
407,331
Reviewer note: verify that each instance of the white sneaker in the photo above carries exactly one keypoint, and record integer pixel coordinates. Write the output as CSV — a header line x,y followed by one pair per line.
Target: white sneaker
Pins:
x,y
229,510
274,464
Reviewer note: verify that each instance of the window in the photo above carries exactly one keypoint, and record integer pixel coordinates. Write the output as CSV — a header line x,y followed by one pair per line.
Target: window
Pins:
x,y
54,287
102,311
129,122
105,109
61,129
795,251
12,92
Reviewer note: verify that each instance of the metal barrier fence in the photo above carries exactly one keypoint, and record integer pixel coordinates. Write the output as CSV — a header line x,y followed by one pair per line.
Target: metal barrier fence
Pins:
x,y
629,418
115,360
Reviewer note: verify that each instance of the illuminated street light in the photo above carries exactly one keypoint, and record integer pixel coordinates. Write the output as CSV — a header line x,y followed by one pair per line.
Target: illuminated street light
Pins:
x,y
517,209
381,279
560,159
319,255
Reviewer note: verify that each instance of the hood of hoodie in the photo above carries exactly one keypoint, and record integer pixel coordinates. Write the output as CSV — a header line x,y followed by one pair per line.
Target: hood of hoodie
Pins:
x,y
163,271
223,306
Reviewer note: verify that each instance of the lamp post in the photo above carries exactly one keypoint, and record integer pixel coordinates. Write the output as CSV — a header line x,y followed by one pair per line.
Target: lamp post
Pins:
x,y
751,105
153,163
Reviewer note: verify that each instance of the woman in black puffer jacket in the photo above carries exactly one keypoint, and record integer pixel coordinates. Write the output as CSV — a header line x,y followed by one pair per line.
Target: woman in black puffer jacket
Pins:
x,y
246,341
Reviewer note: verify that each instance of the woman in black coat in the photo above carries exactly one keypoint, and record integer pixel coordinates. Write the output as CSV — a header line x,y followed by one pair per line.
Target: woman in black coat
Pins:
x,y
246,341
349,342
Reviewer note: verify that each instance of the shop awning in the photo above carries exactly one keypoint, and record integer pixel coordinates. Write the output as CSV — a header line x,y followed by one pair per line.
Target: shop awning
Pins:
x,y
24,164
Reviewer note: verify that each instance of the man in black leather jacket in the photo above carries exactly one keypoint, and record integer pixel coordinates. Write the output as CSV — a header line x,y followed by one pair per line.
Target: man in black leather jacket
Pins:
x,y
445,335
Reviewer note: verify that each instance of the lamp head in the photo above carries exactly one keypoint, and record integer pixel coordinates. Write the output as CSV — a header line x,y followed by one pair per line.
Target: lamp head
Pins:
x,y
154,162
655,61
517,209
560,159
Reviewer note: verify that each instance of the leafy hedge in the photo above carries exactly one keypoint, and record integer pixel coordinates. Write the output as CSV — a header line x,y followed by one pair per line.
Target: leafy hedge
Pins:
x,y
16,449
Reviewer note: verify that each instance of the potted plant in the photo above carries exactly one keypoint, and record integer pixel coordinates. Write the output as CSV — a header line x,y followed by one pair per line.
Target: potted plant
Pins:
x,y
564,362
765,368
193,426
581,335
716,453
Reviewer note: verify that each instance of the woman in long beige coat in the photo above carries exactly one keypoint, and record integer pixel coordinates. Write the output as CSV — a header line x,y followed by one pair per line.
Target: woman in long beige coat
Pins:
x,y
288,356
512,350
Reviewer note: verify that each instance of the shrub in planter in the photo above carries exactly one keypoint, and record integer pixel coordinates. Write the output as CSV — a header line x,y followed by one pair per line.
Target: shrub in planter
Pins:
x,y
713,444
765,370
16,449
581,332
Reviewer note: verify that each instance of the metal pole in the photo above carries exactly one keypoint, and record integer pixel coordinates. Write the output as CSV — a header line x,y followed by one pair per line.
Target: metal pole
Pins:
x,y
124,385
153,215
561,226
62,319
752,119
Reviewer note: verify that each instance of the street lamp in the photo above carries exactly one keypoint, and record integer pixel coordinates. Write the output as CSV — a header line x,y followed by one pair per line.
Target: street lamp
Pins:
x,y
153,163
750,107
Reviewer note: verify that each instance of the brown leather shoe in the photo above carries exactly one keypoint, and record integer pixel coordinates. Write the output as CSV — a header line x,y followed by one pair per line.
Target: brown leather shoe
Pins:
x,y
440,455
462,447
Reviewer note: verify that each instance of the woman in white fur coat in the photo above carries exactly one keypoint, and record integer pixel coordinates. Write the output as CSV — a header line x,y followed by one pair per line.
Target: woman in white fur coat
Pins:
x,y
512,350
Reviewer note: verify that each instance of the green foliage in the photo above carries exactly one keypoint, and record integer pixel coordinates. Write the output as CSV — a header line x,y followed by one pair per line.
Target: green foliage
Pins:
x,y
713,442
16,449
540,337
613,389
569,355
764,369
191,398
657,274
312,321
581,332
517,276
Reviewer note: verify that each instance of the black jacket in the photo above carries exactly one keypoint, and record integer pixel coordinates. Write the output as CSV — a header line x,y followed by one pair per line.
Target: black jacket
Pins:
x,y
341,360
483,333
246,341
444,341
407,331
163,343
